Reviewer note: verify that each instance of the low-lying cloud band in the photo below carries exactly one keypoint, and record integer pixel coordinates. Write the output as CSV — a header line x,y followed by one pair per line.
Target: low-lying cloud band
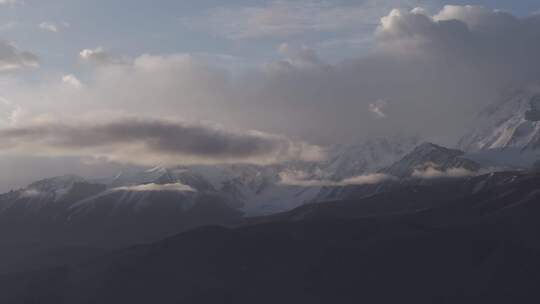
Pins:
x,y
151,141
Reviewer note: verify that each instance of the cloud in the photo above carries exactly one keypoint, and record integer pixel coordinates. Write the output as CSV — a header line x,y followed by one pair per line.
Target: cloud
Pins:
x,y
49,27
148,142
8,26
99,56
297,58
432,172
11,58
368,179
175,187
10,113
288,18
9,2
301,179
473,16
378,108
437,70
29,193
72,80
464,35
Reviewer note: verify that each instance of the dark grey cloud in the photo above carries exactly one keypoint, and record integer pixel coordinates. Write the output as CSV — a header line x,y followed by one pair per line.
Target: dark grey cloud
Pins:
x,y
148,142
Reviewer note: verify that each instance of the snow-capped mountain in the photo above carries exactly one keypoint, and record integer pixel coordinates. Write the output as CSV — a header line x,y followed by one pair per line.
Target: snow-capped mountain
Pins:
x,y
511,123
253,190
258,190
47,198
368,157
70,208
508,133
430,160
144,205
479,229
426,164
261,190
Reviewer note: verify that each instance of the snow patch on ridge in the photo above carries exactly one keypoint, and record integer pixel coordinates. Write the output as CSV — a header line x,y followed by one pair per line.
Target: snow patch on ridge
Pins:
x,y
177,187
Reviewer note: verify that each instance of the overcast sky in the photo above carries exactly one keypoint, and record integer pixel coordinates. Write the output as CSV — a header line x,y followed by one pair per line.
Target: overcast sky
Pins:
x,y
82,82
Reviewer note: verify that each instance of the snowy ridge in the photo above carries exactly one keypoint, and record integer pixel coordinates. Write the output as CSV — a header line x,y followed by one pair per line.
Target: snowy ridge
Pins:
x,y
255,190
506,125
430,157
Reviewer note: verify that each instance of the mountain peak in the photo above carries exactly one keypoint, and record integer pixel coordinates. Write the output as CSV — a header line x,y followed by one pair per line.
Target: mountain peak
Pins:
x,y
55,183
428,147
511,123
429,155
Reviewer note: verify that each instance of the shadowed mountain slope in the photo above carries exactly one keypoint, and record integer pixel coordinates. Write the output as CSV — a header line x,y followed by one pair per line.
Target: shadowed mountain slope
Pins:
x,y
479,248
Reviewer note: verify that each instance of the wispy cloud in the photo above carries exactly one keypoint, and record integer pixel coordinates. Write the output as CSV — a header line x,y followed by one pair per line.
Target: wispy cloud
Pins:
x,y
12,58
433,172
49,27
287,18
99,56
301,179
8,26
378,108
9,2
28,193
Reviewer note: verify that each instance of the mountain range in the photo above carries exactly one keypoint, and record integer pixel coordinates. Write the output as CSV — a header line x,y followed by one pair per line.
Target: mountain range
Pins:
x,y
470,240
344,229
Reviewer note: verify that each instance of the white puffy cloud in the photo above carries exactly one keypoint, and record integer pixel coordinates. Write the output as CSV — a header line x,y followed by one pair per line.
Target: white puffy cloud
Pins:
x,y
72,80
473,15
468,34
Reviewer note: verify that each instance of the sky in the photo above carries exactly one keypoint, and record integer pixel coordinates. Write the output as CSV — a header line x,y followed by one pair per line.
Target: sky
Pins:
x,y
92,87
